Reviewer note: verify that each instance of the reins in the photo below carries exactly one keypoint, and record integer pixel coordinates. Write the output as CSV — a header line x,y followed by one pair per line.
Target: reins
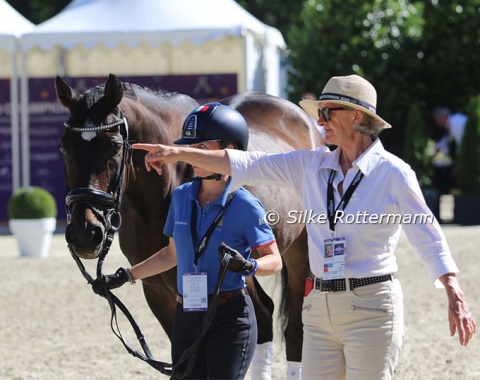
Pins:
x,y
115,302
146,356
86,195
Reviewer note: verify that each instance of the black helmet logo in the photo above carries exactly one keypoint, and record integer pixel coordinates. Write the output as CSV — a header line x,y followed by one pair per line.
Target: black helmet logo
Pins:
x,y
215,122
190,130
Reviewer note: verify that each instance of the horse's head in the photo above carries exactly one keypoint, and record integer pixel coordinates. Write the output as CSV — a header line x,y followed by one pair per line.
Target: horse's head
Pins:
x,y
96,155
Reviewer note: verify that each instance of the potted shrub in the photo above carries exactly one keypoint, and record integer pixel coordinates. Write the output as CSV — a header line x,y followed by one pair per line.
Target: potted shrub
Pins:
x,y
467,203
32,220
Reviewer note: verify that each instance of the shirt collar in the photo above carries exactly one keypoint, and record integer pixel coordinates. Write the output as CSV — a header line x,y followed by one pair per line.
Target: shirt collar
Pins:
x,y
366,162
332,160
219,201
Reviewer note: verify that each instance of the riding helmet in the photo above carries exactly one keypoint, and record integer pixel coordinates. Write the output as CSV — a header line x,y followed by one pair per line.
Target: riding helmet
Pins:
x,y
213,122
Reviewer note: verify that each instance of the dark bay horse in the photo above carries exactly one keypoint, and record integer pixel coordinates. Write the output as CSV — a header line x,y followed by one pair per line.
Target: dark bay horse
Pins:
x,y
108,186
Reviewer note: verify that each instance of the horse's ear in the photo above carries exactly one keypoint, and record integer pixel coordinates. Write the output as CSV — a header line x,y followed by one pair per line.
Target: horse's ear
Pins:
x,y
65,94
113,91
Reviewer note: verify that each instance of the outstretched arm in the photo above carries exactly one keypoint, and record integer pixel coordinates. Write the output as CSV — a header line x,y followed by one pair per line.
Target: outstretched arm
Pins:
x,y
459,315
216,161
161,261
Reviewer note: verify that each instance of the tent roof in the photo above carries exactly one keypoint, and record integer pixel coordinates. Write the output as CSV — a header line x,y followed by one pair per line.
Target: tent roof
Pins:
x,y
111,22
12,24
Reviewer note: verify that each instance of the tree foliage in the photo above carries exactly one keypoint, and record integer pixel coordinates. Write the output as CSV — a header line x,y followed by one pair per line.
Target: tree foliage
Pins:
x,y
280,14
38,11
451,50
376,40
415,145
413,52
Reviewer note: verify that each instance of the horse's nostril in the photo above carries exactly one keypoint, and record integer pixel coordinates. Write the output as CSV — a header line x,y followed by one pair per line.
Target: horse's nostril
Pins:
x,y
97,236
90,237
68,234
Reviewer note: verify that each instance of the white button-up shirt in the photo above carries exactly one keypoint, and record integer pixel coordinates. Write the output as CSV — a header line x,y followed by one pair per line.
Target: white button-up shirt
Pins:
x,y
387,199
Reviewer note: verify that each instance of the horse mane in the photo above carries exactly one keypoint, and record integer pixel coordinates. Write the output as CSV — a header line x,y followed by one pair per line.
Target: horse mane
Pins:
x,y
130,90
131,87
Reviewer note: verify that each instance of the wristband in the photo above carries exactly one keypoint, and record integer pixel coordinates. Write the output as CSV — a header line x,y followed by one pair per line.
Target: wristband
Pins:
x,y
254,270
130,278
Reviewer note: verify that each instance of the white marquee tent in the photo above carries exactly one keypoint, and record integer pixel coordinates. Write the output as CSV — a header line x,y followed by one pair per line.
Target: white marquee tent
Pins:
x,y
12,25
154,37
157,37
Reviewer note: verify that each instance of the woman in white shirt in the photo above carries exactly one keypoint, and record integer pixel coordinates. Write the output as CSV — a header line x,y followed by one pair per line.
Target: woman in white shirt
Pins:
x,y
358,198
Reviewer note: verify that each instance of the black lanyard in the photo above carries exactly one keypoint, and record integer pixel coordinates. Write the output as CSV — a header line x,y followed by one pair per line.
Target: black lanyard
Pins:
x,y
193,226
332,212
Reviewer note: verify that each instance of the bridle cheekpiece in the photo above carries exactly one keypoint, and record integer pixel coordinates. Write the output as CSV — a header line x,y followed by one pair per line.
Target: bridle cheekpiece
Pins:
x,y
112,200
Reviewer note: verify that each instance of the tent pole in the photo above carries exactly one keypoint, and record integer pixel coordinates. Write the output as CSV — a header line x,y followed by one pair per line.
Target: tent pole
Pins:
x,y
246,71
25,123
14,115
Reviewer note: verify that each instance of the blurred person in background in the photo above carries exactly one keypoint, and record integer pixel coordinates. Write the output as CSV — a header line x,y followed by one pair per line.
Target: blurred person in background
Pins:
x,y
445,159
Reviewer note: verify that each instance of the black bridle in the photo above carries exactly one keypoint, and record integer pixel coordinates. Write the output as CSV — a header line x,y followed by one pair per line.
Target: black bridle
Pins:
x,y
111,200
111,219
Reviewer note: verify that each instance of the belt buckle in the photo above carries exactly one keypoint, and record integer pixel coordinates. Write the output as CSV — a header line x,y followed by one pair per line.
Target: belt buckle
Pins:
x,y
329,286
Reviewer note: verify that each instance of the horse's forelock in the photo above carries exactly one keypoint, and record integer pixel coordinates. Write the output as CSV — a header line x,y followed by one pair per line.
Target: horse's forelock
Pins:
x,y
92,96
92,107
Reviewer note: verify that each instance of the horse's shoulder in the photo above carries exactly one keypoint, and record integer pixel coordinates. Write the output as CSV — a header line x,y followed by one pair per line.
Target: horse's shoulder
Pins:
x,y
245,197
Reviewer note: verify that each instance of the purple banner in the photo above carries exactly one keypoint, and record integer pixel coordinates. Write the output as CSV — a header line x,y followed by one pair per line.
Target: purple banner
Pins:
x,y
47,116
6,171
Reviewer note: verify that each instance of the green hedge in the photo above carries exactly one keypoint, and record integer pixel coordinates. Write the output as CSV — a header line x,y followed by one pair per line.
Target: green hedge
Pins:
x,y
31,203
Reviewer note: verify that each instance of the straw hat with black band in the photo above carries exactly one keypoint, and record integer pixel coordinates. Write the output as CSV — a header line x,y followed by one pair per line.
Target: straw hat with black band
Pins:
x,y
352,91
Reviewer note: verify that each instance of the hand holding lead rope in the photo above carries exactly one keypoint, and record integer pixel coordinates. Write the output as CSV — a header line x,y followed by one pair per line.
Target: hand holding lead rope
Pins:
x,y
237,263
110,281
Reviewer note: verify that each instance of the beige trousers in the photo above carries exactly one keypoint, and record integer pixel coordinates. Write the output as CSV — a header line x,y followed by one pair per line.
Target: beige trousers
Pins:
x,y
355,334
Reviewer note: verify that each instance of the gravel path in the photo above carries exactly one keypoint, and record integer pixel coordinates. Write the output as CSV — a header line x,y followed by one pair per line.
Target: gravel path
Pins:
x,y
52,326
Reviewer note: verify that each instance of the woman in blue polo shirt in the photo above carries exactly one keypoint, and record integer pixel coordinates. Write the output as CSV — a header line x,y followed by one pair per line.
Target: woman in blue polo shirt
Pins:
x,y
205,210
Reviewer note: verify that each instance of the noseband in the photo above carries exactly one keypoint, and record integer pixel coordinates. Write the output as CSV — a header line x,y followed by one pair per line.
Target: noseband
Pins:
x,y
111,200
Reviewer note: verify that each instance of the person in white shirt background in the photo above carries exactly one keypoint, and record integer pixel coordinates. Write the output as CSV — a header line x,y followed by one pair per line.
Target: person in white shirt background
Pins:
x,y
447,149
353,315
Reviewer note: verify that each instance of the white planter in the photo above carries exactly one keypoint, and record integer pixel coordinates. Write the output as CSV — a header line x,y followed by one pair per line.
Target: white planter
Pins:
x,y
33,235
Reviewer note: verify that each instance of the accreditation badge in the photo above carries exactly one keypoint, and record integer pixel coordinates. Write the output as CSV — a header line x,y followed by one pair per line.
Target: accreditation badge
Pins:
x,y
195,291
334,251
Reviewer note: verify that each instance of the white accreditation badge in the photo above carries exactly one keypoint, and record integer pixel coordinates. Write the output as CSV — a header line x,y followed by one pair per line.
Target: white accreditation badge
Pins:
x,y
195,291
334,251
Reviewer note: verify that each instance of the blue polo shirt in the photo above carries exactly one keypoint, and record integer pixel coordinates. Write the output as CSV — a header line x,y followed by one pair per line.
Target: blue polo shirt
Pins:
x,y
241,227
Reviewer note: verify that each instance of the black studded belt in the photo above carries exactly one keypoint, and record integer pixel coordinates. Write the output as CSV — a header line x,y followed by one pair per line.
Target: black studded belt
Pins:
x,y
339,285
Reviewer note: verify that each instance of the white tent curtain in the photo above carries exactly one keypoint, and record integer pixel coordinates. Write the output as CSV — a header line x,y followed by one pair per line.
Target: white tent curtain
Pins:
x,y
12,25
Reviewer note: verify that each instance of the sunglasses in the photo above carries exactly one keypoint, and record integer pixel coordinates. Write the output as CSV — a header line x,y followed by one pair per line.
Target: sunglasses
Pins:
x,y
325,112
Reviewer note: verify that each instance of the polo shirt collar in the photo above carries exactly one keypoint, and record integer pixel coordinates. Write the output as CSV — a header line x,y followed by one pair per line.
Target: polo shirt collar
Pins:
x,y
219,201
